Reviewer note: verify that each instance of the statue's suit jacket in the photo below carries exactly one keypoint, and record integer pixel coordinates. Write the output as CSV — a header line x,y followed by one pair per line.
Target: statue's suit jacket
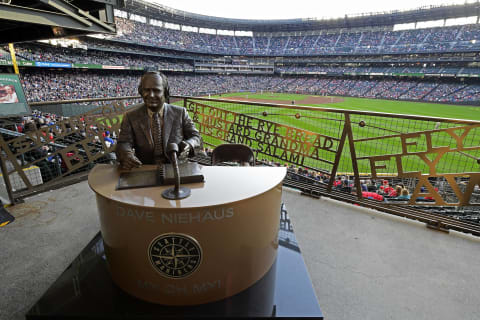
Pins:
x,y
136,132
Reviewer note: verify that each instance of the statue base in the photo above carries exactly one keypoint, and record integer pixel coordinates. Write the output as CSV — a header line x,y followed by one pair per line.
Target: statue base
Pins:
x,y
85,290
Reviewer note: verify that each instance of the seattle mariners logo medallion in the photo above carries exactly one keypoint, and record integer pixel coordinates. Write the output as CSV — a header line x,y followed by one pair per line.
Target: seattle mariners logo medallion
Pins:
x,y
175,255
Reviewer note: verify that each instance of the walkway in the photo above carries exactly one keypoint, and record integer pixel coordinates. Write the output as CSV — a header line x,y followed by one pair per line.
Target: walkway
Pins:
x,y
363,264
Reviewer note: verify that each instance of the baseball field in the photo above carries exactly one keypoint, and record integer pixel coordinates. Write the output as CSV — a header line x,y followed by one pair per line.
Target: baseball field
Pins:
x,y
329,124
375,105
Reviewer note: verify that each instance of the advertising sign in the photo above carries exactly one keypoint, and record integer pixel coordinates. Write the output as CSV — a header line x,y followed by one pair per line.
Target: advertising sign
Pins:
x,y
113,67
25,63
52,64
87,66
12,98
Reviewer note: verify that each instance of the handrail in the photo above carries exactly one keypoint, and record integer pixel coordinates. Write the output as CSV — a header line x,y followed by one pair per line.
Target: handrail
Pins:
x,y
282,106
330,144
43,103
343,111
336,143
427,148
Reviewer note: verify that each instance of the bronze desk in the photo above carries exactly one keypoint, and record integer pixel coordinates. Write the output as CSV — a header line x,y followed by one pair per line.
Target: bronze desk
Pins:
x,y
149,241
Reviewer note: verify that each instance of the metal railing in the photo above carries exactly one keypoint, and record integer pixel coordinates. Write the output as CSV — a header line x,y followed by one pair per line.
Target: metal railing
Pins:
x,y
437,159
421,152
53,155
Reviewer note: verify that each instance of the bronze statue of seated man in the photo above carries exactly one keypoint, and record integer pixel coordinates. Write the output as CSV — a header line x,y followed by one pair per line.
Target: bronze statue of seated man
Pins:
x,y
149,128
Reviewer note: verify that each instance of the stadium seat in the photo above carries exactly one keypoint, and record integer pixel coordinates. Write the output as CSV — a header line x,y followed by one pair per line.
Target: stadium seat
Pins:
x,y
233,152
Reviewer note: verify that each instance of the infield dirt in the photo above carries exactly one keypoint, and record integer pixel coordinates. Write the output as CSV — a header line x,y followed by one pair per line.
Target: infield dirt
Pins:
x,y
306,101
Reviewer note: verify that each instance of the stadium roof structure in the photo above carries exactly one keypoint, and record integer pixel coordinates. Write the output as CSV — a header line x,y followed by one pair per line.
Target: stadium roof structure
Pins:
x,y
27,20
167,14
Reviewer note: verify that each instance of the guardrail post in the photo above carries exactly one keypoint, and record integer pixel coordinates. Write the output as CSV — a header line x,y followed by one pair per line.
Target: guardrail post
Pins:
x,y
353,155
6,178
338,155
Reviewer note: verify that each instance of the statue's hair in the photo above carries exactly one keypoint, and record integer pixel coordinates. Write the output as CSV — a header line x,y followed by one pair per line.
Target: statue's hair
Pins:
x,y
166,87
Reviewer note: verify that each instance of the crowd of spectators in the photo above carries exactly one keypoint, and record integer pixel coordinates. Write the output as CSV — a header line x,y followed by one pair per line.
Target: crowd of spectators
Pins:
x,y
49,122
45,85
339,70
362,87
146,39
48,85
55,136
384,190
127,47
99,57
51,165
455,38
111,54
131,60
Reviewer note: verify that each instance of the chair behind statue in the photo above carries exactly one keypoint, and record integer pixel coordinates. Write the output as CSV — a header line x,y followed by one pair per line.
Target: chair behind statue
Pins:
x,y
233,152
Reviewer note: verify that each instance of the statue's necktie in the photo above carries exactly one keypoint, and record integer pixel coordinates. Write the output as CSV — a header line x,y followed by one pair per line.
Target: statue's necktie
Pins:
x,y
157,137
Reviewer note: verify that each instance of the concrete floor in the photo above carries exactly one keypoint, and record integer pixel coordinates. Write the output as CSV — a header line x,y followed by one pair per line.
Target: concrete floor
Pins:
x,y
50,230
369,265
363,264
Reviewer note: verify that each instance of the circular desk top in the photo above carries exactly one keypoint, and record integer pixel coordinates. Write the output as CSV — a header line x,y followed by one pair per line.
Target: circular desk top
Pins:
x,y
222,185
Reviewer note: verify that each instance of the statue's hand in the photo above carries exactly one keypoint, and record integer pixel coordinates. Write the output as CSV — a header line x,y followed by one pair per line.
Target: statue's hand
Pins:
x,y
184,149
130,162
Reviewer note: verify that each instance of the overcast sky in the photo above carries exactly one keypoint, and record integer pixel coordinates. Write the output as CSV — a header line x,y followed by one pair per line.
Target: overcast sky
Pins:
x,y
280,9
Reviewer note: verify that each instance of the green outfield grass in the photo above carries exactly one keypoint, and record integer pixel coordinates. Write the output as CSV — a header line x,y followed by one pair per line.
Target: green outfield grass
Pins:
x,y
378,105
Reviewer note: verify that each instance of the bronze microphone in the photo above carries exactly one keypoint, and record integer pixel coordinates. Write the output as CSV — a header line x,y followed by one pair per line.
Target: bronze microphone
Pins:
x,y
176,192
172,149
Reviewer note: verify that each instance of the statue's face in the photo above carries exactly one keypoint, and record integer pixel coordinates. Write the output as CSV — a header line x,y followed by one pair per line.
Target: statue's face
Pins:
x,y
152,92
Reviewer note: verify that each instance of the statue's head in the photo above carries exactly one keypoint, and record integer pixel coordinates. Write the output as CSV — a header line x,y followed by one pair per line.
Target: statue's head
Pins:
x,y
154,90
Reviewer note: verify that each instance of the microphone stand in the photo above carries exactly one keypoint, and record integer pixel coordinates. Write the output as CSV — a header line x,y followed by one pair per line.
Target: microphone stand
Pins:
x,y
176,192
